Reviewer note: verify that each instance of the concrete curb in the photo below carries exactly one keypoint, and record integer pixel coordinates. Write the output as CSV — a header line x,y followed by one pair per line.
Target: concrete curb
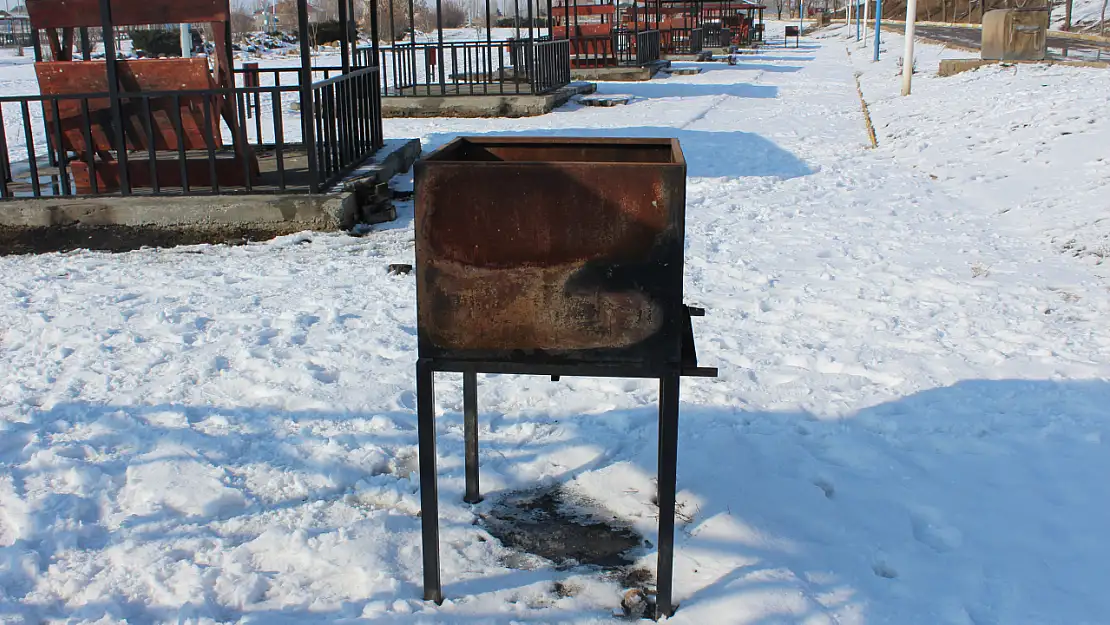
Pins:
x,y
951,67
474,106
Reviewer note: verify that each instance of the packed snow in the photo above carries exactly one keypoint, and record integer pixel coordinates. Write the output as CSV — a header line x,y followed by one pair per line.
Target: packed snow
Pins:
x,y
909,427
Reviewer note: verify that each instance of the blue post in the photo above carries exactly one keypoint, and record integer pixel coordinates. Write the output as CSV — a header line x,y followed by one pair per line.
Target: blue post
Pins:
x,y
859,20
878,26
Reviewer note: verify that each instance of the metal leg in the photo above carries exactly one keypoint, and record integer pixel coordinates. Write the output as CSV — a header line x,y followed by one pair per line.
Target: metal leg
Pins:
x,y
470,427
668,469
429,496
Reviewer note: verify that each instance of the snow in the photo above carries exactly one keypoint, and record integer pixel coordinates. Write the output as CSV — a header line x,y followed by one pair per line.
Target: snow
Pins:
x,y
910,425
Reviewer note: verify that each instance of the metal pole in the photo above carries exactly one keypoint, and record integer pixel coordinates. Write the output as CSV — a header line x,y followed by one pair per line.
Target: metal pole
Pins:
x,y
113,96
667,478
878,27
344,38
866,16
439,29
186,42
907,57
392,21
374,36
308,130
470,433
489,45
86,49
429,495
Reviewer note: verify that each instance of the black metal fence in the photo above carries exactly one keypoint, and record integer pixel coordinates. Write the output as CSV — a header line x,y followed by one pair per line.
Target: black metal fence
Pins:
x,y
621,47
508,67
716,36
78,145
682,41
348,117
16,33
647,47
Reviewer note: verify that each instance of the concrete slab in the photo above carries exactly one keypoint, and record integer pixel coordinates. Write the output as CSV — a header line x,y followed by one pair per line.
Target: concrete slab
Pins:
x,y
701,56
620,74
951,67
482,105
605,100
121,223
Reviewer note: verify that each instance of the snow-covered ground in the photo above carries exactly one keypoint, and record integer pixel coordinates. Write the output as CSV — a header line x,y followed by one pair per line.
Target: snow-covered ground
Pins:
x,y
910,425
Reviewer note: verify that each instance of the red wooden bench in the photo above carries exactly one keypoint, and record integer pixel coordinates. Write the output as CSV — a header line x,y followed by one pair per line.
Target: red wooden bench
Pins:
x,y
87,128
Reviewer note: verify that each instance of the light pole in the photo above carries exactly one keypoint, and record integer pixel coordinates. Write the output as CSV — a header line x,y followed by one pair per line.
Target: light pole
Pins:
x,y
878,26
907,56
186,42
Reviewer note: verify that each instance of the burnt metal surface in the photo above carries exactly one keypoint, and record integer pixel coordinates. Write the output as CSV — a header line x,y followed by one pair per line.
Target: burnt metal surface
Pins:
x,y
551,250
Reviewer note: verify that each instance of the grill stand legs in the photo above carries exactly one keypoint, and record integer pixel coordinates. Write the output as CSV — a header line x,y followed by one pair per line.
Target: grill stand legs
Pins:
x,y
429,495
667,478
470,427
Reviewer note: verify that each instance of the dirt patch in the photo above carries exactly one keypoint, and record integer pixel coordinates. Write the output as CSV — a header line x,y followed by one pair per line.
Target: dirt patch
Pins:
x,y
570,531
567,530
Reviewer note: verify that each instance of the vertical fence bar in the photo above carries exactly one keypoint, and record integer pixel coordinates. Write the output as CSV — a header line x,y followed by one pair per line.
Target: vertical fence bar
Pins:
x,y
29,137
308,136
5,164
113,95
148,128
279,139
333,131
318,149
180,136
63,174
210,144
90,153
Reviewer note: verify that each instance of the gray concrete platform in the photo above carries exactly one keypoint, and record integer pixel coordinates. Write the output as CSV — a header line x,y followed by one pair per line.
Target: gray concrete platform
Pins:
x,y
117,223
620,74
493,105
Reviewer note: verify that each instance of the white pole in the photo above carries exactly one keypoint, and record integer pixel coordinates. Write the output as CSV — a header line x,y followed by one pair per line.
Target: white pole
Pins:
x,y
907,57
848,17
186,42
866,13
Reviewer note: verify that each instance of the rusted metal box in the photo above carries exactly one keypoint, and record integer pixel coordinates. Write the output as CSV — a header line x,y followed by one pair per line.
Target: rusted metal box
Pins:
x,y
1015,34
551,250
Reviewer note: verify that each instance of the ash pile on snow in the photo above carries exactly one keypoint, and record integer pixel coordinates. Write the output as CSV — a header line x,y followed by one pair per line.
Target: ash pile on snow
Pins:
x,y
558,526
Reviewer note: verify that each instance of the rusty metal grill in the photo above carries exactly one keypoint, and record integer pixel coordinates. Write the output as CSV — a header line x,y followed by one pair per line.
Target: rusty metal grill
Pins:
x,y
551,256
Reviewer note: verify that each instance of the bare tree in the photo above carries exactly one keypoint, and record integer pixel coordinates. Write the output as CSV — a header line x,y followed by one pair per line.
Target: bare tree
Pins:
x,y
454,15
398,18
242,22
779,6
1067,15
424,17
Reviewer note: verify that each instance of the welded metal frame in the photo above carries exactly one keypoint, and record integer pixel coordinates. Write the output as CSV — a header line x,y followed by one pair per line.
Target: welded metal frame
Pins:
x,y
669,376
